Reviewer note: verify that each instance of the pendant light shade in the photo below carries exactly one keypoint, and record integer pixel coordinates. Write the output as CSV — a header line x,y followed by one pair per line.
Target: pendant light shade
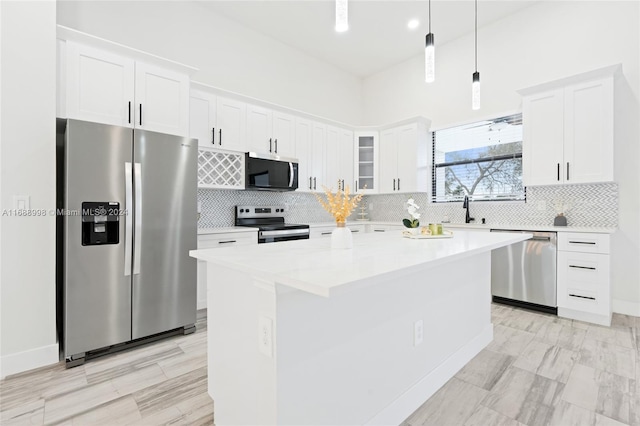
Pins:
x,y
475,82
342,15
429,54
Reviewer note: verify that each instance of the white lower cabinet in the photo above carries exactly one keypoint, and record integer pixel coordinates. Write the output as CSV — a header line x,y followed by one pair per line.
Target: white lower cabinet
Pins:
x,y
218,240
584,279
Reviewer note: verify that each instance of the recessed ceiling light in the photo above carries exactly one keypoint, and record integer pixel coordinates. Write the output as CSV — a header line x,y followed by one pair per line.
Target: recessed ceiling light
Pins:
x,y
413,24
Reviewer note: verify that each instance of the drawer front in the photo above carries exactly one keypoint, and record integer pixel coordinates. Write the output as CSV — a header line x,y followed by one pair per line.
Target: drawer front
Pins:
x,y
321,231
385,228
584,243
584,282
227,240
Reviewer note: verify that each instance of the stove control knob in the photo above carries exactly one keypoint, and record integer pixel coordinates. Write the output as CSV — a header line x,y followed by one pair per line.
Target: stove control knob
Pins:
x,y
241,210
282,210
277,210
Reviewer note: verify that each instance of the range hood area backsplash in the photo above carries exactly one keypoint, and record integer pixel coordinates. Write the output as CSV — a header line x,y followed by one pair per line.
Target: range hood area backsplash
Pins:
x,y
593,205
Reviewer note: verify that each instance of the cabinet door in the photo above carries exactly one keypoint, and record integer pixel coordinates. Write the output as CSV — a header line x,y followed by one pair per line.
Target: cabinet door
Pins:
x,y
231,116
388,161
99,86
202,118
318,155
331,167
407,158
259,129
366,161
162,100
284,131
303,150
345,159
588,132
543,134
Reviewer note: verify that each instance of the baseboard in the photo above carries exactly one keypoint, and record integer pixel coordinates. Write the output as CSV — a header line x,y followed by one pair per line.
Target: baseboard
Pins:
x,y
28,360
626,308
398,411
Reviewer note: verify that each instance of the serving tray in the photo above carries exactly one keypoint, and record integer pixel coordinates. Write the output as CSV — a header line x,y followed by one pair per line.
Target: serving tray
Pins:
x,y
445,234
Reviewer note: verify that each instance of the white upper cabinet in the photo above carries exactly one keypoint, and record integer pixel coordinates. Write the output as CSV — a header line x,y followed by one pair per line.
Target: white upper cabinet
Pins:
x,y
345,160
317,159
270,131
231,119
284,134
114,89
366,161
202,118
568,130
404,159
304,153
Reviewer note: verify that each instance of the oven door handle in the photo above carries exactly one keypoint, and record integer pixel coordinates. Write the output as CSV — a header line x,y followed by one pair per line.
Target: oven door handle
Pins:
x,y
283,232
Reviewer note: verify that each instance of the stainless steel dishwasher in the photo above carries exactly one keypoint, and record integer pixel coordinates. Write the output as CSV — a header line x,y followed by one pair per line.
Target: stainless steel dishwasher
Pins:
x,y
524,274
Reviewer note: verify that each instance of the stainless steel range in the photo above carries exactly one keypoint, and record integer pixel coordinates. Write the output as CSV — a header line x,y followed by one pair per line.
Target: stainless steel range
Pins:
x,y
270,222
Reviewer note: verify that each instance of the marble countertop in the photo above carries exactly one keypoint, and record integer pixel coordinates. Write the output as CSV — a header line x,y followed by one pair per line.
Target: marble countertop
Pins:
x,y
312,266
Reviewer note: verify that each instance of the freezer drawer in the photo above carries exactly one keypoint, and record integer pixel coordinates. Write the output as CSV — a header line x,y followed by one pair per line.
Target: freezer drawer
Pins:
x,y
526,271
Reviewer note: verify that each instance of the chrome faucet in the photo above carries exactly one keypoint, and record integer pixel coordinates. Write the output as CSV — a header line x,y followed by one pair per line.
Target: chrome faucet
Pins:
x,y
465,205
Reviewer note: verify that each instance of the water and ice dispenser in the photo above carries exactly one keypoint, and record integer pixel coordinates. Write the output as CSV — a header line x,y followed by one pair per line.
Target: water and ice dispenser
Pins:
x,y
100,223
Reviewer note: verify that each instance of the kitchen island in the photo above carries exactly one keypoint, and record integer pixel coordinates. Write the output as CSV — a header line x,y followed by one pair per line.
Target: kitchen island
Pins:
x,y
299,333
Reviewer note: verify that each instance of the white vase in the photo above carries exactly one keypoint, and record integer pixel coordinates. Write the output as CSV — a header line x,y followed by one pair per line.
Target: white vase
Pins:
x,y
341,237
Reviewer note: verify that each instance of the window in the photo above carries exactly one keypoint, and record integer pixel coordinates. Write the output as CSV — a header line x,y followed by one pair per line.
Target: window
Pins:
x,y
482,160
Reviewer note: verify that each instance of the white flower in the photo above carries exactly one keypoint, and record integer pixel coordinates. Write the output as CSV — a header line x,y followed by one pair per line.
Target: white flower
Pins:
x,y
412,208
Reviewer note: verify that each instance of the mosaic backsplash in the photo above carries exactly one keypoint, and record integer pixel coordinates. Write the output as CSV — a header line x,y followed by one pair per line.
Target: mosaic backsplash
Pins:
x,y
594,205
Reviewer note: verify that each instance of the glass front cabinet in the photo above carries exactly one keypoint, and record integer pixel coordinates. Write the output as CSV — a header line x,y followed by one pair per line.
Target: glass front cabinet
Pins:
x,y
366,161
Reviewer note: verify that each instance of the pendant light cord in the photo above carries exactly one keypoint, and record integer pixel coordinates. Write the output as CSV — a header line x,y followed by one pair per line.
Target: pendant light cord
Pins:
x,y
476,34
429,16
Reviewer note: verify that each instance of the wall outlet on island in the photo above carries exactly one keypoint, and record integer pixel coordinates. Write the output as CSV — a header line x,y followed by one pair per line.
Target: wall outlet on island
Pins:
x,y
418,332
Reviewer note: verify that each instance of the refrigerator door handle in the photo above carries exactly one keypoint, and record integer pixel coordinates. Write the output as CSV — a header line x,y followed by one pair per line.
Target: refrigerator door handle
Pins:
x,y
128,224
137,233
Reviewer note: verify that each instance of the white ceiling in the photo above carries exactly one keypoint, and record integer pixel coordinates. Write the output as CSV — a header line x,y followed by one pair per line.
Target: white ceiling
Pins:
x,y
378,35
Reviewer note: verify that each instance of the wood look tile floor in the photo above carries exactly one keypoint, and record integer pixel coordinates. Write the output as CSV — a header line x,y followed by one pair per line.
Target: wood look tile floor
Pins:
x,y
539,370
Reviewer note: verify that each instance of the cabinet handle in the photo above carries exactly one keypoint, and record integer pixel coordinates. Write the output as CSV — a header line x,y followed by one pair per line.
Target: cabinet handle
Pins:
x,y
270,145
356,186
310,185
558,172
582,242
582,267
394,184
129,112
314,183
378,230
582,297
227,242
398,184
213,135
355,230
276,145
325,233
220,137
141,114
567,170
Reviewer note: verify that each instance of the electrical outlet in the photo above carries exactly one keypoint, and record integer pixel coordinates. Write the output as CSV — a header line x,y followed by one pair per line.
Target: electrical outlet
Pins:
x,y
418,332
265,336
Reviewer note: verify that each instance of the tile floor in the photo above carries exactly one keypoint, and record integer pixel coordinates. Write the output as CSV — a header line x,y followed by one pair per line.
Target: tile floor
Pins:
x,y
539,370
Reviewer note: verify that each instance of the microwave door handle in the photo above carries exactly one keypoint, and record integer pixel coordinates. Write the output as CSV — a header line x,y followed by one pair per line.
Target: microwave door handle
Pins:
x,y
137,233
291,175
128,224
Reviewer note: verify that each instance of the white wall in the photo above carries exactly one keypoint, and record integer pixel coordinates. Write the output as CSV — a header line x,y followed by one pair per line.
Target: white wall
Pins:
x,y
544,42
229,55
27,136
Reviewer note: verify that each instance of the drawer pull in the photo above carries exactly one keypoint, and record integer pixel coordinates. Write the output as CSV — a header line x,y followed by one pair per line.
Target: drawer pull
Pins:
x,y
355,230
378,230
582,267
325,233
582,242
540,238
582,297
227,242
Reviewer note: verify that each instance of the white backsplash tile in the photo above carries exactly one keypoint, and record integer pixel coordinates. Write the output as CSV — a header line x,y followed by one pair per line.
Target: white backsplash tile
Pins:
x,y
594,205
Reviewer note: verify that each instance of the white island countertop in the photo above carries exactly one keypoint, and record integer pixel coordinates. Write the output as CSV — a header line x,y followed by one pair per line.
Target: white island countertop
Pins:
x,y
312,266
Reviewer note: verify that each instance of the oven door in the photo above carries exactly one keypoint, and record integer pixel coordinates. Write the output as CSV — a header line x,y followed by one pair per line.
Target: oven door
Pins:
x,y
269,174
282,235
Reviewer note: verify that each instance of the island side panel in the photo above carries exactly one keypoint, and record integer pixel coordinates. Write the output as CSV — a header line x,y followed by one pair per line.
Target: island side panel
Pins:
x,y
241,377
351,359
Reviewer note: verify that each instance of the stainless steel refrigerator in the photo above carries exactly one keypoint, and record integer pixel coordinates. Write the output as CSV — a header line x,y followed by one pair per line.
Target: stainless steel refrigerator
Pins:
x,y
126,222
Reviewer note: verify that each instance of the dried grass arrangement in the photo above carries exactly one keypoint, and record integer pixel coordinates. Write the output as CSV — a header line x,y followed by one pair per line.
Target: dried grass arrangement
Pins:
x,y
340,204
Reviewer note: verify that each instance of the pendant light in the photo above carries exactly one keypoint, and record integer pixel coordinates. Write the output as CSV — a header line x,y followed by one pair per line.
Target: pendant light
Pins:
x,y
342,16
429,54
475,83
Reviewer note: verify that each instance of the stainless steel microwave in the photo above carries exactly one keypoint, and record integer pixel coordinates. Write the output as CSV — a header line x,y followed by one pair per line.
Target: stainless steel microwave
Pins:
x,y
266,173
